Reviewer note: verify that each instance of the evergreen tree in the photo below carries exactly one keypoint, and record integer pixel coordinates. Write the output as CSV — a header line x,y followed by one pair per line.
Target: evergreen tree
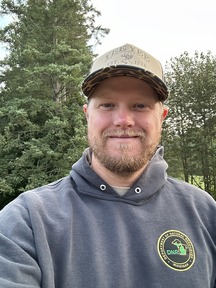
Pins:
x,y
42,127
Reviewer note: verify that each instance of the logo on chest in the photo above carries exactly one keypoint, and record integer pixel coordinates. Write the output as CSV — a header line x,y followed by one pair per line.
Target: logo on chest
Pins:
x,y
176,250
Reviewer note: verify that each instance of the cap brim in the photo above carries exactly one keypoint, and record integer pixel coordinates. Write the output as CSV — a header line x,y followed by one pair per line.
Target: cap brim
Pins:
x,y
95,78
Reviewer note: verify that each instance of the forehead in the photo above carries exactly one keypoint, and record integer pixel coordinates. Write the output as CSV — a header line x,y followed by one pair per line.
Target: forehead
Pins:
x,y
126,87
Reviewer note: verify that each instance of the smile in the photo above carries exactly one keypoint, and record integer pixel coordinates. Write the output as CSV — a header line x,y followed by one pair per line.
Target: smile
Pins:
x,y
124,137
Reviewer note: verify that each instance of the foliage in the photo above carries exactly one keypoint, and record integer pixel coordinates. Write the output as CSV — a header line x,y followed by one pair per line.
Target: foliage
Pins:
x,y
190,129
42,127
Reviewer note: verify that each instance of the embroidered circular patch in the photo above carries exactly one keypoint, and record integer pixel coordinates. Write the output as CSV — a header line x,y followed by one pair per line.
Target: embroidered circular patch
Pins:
x,y
176,250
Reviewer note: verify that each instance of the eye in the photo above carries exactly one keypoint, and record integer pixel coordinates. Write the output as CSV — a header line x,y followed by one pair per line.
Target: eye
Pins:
x,y
141,107
107,106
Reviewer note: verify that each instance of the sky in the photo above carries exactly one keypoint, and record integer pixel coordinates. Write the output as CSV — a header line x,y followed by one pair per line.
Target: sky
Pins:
x,y
163,28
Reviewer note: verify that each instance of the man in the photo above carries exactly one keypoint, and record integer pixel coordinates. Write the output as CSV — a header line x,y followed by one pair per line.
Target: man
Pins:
x,y
118,220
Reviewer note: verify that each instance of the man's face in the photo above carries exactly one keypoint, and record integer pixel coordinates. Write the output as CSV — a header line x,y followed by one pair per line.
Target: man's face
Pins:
x,y
124,124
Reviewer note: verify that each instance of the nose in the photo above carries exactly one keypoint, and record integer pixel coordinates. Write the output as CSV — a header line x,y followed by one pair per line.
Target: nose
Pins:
x,y
123,117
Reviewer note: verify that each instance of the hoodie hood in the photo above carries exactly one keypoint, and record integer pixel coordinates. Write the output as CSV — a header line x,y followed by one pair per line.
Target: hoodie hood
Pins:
x,y
147,185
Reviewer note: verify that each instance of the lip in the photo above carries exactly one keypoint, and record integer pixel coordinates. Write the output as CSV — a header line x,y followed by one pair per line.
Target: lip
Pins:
x,y
123,137
120,134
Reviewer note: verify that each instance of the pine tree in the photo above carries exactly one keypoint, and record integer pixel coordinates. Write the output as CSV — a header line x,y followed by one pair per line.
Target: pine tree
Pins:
x,y
42,127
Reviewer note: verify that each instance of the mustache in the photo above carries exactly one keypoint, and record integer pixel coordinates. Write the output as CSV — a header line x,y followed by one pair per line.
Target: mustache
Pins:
x,y
123,132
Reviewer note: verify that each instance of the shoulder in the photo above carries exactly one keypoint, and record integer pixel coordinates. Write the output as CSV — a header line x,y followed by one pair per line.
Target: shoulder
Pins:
x,y
42,198
51,189
189,194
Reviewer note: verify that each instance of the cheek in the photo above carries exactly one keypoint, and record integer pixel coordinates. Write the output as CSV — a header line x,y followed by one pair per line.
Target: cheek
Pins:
x,y
97,123
152,125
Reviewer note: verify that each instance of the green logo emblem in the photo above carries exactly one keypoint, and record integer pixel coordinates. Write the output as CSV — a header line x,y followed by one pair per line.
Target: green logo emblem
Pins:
x,y
176,250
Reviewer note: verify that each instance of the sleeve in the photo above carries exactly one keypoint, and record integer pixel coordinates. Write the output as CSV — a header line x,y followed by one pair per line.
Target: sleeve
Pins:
x,y
18,259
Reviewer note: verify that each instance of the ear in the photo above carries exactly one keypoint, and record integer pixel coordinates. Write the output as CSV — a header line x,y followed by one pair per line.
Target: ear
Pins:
x,y
165,112
85,110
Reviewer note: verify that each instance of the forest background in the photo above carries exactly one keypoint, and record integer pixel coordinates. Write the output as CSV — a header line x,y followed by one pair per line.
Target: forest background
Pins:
x,y
49,47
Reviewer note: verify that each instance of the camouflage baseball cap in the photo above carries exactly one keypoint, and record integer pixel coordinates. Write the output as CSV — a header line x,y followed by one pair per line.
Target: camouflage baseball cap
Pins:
x,y
130,61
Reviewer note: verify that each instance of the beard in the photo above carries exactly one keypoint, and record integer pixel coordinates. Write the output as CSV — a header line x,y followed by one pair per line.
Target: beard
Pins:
x,y
124,164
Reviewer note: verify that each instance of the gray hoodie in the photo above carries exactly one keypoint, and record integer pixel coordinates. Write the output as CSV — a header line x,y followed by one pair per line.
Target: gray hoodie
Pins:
x,y
79,233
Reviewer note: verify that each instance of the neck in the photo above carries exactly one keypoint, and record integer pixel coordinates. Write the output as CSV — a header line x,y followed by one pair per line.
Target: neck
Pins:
x,y
112,178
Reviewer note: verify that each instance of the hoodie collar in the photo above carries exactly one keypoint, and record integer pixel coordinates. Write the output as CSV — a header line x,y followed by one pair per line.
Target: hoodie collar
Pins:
x,y
148,184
